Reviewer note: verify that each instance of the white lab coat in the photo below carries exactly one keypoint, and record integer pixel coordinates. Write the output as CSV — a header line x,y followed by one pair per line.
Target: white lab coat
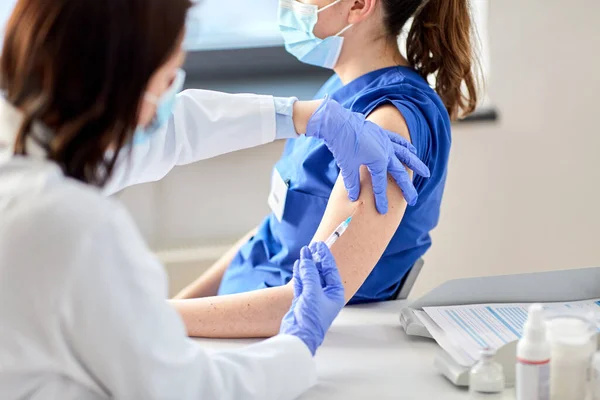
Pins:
x,y
82,299
205,124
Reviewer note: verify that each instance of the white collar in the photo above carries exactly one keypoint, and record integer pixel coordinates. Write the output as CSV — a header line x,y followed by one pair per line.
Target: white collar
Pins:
x,y
10,123
11,120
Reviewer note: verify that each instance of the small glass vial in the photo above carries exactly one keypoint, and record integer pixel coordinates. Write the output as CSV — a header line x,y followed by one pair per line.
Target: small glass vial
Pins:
x,y
486,379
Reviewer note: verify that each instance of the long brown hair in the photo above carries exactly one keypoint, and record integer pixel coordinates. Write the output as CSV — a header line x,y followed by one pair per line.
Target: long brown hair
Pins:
x,y
440,43
80,67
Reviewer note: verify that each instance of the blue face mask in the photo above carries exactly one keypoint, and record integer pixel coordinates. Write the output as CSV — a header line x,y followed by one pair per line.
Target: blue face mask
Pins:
x,y
164,109
297,22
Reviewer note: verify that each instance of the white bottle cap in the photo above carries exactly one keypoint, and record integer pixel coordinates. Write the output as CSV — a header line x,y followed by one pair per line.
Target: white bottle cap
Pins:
x,y
572,337
535,326
534,345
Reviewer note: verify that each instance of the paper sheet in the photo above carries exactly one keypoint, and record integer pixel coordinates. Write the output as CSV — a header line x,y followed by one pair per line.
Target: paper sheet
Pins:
x,y
474,327
444,341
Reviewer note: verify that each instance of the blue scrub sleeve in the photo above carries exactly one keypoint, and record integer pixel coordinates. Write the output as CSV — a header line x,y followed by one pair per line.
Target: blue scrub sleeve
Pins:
x,y
413,109
284,122
418,126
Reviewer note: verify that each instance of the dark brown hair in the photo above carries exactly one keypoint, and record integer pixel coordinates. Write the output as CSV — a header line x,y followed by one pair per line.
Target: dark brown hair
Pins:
x,y
81,68
441,43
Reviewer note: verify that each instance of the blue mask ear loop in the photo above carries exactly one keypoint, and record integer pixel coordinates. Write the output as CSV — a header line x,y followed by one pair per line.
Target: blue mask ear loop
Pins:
x,y
329,6
151,98
340,33
176,85
141,135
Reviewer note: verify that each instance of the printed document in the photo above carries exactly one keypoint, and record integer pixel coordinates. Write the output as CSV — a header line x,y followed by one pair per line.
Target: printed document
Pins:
x,y
464,330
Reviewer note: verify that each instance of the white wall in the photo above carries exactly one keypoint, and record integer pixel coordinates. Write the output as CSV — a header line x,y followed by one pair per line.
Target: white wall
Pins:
x,y
521,195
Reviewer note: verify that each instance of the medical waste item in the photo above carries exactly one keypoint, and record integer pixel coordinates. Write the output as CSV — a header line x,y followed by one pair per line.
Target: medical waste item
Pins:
x,y
339,231
573,343
316,302
486,379
533,358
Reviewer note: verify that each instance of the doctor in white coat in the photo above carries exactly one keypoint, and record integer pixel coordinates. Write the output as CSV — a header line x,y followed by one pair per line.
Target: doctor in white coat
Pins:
x,y
88,93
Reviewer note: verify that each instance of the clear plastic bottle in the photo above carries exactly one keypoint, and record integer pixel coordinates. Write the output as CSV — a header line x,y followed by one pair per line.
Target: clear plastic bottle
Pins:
x,y
533,358
486,379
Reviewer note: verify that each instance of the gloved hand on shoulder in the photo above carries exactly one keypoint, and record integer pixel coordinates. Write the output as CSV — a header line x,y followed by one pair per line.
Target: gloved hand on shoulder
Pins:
x,y
354,141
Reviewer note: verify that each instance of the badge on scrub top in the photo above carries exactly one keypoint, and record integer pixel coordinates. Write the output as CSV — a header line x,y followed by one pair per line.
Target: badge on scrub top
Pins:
x,y
279,189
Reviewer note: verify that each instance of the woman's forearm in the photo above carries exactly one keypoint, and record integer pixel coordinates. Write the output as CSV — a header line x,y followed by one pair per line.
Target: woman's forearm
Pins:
x,y
255,314
208,283
303,111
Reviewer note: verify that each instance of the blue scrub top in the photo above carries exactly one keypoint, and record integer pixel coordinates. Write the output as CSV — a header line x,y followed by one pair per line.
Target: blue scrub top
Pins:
x,y
310,172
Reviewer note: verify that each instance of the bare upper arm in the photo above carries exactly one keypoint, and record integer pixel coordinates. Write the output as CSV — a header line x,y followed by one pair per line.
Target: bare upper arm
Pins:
x,y
360,248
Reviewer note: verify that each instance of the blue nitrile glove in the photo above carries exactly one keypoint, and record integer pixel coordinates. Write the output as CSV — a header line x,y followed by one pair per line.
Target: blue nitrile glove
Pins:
x,y
315,305
354,141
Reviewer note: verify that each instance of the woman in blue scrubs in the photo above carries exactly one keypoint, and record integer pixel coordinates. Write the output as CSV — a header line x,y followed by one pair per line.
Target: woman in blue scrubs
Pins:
x,y
358,39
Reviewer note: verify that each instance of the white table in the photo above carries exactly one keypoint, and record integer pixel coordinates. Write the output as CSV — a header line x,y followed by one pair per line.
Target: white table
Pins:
x,y
367,355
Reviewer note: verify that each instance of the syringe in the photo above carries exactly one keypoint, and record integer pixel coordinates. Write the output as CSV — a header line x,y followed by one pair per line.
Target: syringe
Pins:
x,y
339,231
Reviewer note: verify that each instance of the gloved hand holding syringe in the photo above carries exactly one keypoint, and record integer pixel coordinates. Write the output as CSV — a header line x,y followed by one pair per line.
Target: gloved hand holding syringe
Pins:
x,y
337,233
